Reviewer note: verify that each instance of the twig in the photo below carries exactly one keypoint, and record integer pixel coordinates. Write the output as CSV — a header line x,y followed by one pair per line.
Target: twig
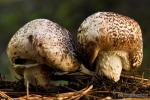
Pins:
x,y
27,88
70,89
134,77
81,93
4,96
73,95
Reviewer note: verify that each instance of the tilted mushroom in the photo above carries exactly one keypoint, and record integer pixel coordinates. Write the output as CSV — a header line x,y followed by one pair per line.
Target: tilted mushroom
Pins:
x,y
38,47
110,42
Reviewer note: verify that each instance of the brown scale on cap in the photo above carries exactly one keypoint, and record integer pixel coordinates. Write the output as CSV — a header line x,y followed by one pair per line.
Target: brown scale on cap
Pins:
x,y
103,32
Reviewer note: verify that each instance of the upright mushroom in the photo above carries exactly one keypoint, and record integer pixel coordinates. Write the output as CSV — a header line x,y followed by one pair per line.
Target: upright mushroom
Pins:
x,y
110,42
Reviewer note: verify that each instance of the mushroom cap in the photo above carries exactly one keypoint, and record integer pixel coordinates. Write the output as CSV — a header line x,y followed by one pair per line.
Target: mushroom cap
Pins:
x,y
106,31
45,42
41,43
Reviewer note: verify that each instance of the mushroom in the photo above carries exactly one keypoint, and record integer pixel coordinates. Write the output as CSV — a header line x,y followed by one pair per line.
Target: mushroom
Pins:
x,y
109,42
39,47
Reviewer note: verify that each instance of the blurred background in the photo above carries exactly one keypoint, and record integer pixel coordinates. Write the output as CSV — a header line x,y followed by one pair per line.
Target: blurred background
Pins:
x,y
68,13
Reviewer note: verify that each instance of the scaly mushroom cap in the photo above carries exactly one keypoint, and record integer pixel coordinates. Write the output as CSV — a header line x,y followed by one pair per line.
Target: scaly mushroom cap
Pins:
x,y
104,32
42,42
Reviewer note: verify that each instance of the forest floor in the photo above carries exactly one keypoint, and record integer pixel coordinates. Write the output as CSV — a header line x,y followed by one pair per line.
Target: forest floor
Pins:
x,y
80,87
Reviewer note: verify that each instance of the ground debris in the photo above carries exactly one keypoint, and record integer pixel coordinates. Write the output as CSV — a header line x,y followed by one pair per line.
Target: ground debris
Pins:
x,y
80,87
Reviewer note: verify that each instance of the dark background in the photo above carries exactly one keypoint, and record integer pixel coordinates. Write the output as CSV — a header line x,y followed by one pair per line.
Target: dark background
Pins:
x,y
68,13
